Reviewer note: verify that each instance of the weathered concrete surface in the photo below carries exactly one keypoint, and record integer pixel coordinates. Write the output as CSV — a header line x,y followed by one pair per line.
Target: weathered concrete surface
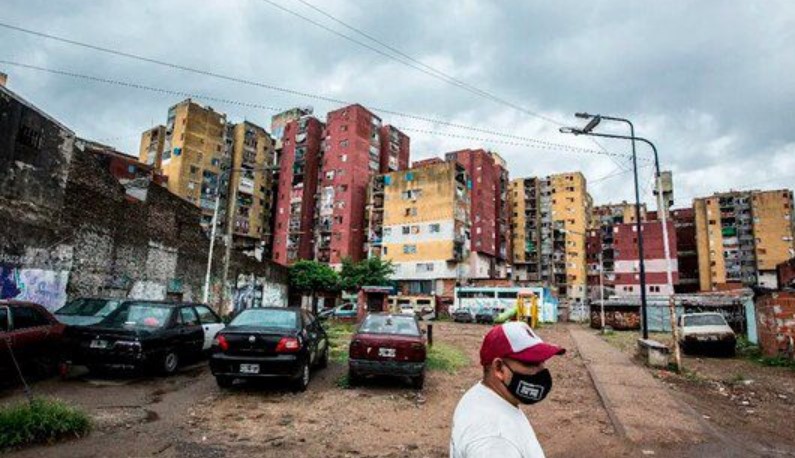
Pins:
x,y
644,410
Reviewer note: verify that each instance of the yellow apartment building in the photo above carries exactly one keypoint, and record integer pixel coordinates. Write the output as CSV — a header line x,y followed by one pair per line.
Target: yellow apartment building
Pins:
x,y
152,143
419,220
741,236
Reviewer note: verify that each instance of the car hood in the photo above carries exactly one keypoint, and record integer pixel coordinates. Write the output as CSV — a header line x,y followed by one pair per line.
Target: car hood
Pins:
x,y
78,320
711,329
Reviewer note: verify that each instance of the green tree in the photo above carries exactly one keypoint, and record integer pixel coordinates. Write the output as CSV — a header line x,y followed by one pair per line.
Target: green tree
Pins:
x,y
371,272
312,277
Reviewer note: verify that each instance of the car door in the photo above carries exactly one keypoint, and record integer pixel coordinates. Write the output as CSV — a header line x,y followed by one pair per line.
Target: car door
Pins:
x,y
211,324
346,310
191,334
321,339
29,332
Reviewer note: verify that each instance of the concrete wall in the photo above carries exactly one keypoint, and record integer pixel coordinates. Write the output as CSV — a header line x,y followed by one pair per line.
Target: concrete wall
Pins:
x,y
88,239
775,316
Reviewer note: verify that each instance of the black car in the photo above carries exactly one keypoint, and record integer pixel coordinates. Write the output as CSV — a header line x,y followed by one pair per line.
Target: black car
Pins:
x,y
486,315
270,343
462,315
148,335
86,311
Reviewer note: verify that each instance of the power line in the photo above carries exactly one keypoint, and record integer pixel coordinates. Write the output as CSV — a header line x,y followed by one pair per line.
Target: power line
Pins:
x,y
526,141
269,87
143,87
415,63
436,72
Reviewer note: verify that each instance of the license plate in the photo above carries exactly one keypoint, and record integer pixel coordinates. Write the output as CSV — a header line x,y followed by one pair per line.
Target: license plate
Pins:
x,y
249,368
386,352
99,344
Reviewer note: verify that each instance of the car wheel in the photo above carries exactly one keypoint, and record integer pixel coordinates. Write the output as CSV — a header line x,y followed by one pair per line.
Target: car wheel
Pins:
x,y
224,381
324,359
354,379
169,363
418,382
302,382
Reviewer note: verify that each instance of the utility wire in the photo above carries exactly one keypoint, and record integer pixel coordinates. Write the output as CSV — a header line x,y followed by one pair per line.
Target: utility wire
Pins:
x,y
116,82
258,84
415,63
522,142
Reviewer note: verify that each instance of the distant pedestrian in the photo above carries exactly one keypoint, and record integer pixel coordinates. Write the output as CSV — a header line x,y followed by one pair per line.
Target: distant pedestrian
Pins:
x,y
487,421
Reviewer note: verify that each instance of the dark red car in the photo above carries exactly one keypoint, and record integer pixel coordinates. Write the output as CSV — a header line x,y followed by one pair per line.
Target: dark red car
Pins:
x,y
386,344
33,333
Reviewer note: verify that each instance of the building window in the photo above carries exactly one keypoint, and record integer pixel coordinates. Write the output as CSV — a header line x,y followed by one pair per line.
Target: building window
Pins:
x,y
406,230
343,143
409,249
435,228
387,231
411,211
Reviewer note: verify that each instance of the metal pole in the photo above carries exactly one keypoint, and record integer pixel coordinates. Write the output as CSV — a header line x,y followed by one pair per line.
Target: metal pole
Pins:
x,y
206,295
639,228
601,291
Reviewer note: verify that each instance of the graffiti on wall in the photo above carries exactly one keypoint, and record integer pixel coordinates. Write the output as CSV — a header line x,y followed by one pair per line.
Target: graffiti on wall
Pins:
x,y
252,291
45,287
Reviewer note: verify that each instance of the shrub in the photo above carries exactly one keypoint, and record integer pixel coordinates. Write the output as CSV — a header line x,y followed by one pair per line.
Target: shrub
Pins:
x,y
41,421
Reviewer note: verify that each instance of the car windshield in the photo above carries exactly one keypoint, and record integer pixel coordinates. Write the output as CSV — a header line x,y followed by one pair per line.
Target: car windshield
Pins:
x,y
705,320
389,324
138,315
267,318
89,307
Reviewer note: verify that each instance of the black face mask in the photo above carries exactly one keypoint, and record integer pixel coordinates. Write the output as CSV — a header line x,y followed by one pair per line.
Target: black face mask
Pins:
x,y
530,389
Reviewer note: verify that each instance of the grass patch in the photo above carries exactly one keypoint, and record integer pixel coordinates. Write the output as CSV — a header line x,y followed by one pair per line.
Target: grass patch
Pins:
x,y
339,337
343,382
754,353
42,421
443,357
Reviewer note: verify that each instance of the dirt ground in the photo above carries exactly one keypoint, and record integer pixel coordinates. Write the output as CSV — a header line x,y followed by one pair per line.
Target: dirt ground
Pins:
x,y
744,399
187,415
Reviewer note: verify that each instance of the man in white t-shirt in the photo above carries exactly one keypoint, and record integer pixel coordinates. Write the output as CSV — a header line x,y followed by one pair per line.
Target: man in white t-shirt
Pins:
x,y
487,421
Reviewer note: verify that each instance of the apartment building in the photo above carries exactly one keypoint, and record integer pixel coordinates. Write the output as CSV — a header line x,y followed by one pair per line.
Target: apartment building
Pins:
x,y
204,157
152,143
299,165
419,219
601,240
684,220
627,259
741,236
395,147
249,209
490,210
550,220
352,155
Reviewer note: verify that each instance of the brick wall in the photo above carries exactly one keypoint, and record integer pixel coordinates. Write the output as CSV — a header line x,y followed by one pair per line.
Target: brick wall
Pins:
x,y
775,317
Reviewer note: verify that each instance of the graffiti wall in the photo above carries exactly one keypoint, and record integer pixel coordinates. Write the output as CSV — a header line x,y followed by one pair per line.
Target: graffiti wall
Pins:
x,y
45,287
252,291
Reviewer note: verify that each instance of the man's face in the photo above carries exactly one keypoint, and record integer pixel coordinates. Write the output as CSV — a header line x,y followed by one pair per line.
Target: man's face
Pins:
x,y
504,369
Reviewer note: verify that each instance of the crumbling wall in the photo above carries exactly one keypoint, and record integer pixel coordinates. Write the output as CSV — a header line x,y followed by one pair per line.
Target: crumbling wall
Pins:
x,y
775,316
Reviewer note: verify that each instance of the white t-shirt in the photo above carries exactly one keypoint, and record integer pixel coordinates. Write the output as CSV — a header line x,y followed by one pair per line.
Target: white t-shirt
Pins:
x,y
486,425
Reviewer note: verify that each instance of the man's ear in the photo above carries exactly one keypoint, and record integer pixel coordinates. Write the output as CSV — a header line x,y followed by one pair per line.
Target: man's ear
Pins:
x,y
498,367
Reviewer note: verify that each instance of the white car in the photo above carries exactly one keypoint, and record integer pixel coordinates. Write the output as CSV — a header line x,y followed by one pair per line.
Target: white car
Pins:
x,y
706,332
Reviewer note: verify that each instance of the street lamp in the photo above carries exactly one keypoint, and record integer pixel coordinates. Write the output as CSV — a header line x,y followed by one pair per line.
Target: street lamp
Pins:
x,y
660,208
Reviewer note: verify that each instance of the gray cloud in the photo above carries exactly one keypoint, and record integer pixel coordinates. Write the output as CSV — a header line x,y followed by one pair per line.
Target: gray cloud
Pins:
x,y
709,81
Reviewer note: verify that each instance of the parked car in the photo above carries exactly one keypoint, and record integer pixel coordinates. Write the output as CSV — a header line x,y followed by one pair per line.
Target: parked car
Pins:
x,y
32,334
270,343
86,311
346,310
706,332
145,335
387,344
462,315
486,315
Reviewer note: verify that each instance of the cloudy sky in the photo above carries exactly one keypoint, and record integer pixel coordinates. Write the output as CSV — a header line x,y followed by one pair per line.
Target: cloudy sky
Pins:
x,y
712,83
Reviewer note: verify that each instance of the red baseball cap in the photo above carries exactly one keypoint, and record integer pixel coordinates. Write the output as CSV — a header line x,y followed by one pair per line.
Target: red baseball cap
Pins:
x,y
515,340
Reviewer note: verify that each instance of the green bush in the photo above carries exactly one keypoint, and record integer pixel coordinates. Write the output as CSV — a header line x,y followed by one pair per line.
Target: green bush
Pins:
x,y
442,357
41,421
339,336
